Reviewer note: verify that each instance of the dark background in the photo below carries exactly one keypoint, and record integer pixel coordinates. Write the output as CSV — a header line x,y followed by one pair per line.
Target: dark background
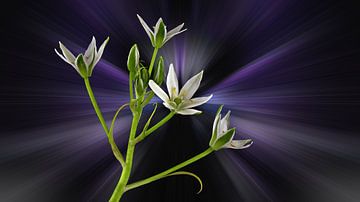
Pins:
x,y
288,71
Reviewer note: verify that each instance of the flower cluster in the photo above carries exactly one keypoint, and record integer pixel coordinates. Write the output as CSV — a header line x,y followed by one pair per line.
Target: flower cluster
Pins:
x,y
178,101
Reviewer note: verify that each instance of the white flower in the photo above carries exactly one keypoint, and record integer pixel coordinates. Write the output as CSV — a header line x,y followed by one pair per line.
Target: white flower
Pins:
x,y
181,102
222,136
83,63
160,36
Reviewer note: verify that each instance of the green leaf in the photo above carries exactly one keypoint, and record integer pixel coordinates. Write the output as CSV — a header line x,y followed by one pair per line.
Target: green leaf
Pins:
x,y
160,35
111,130
215,127
80,63
110,135
133,59
149,120
190,174
226,138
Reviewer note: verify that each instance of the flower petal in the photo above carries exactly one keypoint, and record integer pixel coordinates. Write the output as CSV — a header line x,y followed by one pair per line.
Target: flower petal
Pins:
x,y
191,86
146,27
158,91
90,50
177,30
239,144
225,122
68,55
172,83
214,134
195,102
101,51
62,57
169,105
188,112
156,28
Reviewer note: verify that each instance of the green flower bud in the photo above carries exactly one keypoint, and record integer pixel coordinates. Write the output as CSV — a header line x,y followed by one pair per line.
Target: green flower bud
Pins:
x,y
158,75
144,76
139,86
133,59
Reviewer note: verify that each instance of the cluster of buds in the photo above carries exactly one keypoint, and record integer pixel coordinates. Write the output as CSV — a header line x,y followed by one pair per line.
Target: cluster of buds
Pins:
x,y
140,73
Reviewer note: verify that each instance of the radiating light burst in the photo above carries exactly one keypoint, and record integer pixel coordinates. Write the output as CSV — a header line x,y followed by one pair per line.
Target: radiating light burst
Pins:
x,y
286,70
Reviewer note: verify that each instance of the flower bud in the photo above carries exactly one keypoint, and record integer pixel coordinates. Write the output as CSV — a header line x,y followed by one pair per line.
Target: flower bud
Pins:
x,y
133,59
158,74
144,76
139,86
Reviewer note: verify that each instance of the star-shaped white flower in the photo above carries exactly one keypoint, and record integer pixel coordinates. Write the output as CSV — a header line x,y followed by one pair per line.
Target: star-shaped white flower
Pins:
x,y
180,102
83,63
222,136
160,36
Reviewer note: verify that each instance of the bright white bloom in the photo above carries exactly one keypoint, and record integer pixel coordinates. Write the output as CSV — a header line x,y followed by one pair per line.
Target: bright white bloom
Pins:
x,y
160,36
83,63
180,102
222,136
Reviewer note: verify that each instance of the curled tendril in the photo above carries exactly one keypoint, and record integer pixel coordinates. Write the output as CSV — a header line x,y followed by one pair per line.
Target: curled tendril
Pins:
x,y
190,174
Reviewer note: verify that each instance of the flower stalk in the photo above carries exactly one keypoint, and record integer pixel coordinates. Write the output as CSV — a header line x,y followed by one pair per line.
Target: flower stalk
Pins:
x,y
170,170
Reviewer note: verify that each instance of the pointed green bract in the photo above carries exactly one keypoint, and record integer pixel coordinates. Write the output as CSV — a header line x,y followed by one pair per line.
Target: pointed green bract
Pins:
x,y
80,63
224,139
160,35
216,125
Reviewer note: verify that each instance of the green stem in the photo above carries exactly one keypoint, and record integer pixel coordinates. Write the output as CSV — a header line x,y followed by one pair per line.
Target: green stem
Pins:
x,y
131,91
169,171
156,126
120,187
153,60
109,134
95,105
